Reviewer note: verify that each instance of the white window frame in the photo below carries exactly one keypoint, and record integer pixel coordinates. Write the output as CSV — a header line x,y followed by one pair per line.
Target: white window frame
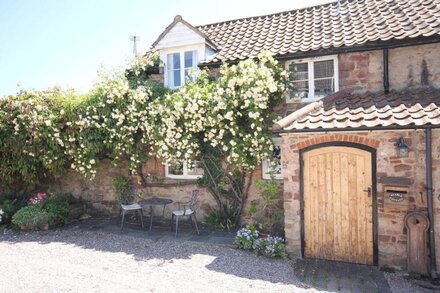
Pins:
x,y
185,174
265,165
182,65
311,96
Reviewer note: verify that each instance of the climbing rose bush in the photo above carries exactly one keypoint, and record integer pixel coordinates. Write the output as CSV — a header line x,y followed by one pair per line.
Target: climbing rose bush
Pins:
x,y
230,114
32,134
113,123
46,133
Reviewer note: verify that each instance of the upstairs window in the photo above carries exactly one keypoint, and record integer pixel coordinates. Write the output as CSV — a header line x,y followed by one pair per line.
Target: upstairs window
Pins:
x,y
179,65
313,78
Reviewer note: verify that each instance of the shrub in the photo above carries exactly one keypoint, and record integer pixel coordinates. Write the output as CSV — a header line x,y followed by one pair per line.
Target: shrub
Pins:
x,y
122,189
57,208
267,211
30,218
10,202
246,236
219,220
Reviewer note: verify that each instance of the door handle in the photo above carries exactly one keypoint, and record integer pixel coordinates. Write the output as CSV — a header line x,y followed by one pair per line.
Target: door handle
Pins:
x,y
368,190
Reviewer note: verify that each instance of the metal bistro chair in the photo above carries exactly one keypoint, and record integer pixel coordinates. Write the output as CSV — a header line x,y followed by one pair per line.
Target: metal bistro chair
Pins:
x,y
131,207
186,209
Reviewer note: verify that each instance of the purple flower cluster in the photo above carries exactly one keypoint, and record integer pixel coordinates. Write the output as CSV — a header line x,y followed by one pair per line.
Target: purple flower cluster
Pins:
x,y
247,233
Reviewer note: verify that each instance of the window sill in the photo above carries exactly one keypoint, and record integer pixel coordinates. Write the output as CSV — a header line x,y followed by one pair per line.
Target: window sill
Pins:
x,y
277,178
304,100
183,177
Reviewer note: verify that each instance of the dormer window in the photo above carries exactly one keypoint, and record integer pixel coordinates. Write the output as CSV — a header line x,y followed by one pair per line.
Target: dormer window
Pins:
x,y
178,66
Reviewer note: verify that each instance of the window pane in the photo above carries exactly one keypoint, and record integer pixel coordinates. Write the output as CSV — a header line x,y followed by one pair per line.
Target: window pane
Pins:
x,y
324,77
323,69
324,87
195,168
170,77
176,61
300,89
189,59
175,168
300,71
299,76
275,162
176,77
173,63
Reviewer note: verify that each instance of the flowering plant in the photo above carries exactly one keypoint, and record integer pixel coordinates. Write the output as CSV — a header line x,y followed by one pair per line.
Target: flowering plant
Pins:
x,y
271,246
38,198
246,236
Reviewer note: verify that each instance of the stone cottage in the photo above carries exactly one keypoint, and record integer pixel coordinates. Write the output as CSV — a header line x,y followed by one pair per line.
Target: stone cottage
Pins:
x,y
359,144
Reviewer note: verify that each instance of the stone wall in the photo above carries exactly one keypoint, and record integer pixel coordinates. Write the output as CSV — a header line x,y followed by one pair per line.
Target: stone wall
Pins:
x,y
408,67
361,71
392,236
98,193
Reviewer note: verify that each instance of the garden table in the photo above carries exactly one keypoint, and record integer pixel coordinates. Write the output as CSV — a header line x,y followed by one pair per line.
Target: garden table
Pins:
x,y
154,201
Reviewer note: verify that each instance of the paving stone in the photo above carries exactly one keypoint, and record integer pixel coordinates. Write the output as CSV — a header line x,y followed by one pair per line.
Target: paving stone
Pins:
x,y
221,240
339,277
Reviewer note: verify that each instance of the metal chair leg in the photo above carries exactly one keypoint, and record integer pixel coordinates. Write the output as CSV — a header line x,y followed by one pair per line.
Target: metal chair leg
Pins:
x,y
142,217
122,221
151,217
172,222
177,224
195,223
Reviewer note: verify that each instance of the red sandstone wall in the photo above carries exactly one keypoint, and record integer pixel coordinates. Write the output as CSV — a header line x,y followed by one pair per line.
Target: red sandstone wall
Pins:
x,y
364,70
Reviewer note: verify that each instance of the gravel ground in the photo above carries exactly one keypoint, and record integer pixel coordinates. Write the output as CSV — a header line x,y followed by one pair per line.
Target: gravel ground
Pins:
x,y
87,261
91,261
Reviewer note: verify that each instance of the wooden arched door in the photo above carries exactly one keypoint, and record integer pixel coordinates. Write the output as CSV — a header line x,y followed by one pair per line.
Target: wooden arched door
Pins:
x,y
338,204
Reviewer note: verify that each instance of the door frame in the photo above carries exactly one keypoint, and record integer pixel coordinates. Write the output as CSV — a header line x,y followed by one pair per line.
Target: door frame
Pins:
x,y
372,151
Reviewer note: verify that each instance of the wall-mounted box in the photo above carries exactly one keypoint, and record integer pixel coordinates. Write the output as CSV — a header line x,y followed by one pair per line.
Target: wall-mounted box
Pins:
x,y
395,192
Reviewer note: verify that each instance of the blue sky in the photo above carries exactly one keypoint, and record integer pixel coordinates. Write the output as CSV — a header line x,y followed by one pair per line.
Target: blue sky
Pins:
x,y
63,43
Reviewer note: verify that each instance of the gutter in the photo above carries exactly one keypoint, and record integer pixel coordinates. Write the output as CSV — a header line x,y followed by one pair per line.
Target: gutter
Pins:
x,y
432,258
386,82
369,46
393,127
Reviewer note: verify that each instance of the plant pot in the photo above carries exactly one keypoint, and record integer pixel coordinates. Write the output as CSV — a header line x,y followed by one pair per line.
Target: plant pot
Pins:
x,y
44,227
26,227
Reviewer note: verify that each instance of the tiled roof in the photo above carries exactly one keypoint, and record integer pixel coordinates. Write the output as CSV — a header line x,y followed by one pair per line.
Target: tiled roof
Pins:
x,y
354,22
344,110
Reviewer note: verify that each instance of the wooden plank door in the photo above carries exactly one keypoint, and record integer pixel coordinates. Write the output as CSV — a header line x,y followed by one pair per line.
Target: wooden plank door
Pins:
x,y
338,212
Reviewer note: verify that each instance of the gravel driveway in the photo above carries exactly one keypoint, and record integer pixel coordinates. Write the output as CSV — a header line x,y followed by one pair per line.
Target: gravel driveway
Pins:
x,y
91,261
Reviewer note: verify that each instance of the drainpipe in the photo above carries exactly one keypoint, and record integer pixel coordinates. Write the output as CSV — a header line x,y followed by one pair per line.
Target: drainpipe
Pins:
x,y
386,82
432,258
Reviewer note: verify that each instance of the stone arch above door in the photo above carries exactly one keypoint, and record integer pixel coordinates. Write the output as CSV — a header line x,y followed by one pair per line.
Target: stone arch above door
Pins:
x,y
314,139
